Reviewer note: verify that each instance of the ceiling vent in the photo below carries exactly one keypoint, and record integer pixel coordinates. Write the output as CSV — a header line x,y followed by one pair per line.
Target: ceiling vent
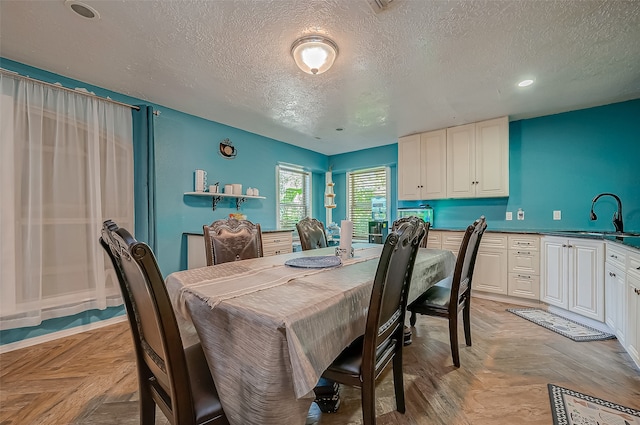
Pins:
x,y
379,6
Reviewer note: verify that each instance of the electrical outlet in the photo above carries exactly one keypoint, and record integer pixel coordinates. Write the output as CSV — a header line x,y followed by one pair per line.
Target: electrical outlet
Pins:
x,y
520,214
557,215
509,216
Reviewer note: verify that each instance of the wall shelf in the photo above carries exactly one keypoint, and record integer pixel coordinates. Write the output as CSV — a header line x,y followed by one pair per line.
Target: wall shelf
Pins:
x,y
216,197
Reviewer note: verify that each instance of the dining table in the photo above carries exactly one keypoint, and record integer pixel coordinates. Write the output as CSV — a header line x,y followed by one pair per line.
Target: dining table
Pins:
x,y
270,329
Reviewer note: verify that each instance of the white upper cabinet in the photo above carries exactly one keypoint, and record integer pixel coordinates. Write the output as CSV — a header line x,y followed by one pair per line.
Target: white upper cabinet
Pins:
x,y
422,166
478,159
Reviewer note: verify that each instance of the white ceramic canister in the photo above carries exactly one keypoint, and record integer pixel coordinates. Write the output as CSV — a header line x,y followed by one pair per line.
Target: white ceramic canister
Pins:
x,y
228,189
237,189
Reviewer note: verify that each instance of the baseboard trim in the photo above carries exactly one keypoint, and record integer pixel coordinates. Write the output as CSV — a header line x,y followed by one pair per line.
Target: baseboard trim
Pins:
x,y
29,342
506,299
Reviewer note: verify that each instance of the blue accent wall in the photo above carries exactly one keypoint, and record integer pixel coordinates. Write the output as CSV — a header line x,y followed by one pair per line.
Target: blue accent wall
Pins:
x,y
557,162
560,162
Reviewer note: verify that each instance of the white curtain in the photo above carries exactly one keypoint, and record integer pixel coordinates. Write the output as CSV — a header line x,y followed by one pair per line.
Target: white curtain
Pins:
x,y
66,164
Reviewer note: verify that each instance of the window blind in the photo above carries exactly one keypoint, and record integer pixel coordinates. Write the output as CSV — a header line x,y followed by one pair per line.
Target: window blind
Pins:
x,y
294,196
362,187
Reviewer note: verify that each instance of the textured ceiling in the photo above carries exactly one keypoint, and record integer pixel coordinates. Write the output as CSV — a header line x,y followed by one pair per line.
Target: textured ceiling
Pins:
x,y
416,66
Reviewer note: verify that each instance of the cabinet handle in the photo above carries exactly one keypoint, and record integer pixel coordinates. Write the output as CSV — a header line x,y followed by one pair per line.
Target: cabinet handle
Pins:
x,y
614,256
569,246
637,291
523,244
612,274
564,246
524,277
638,268
524,252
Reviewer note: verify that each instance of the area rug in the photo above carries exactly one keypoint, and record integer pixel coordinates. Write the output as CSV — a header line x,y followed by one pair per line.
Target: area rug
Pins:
x,y
570,407
565,327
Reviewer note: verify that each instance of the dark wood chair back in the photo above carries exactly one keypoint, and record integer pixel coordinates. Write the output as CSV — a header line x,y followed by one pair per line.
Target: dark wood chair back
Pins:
x,y
364,360
423,242
312,234
176,379
453,294
232,240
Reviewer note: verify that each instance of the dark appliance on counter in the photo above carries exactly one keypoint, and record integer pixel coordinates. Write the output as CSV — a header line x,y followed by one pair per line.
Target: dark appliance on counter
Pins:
x,y
378,231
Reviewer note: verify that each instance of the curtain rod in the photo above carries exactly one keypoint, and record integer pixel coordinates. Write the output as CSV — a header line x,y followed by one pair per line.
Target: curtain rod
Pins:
x,y
15,74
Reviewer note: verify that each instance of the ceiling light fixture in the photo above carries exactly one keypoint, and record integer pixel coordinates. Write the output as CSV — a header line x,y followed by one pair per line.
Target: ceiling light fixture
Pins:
x,y
314,54
525,83
82,9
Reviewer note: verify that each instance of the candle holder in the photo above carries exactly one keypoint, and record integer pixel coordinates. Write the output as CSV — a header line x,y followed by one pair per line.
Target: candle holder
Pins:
x,y
344,253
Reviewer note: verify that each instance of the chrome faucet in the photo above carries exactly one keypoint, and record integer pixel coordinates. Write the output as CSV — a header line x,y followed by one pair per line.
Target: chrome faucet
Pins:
x,y
617,216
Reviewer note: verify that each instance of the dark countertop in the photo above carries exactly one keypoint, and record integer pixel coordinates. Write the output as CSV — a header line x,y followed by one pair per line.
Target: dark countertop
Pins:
x,y
262,230
628,241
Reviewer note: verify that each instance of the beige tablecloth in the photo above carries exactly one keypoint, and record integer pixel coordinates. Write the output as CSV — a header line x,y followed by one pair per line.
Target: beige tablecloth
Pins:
x,y
269,330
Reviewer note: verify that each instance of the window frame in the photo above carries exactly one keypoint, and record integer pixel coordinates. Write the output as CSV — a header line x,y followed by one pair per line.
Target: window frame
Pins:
x,y
349,212
308,198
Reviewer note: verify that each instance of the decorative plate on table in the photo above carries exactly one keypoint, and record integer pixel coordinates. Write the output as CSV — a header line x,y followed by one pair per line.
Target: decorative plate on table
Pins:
x,y
319,262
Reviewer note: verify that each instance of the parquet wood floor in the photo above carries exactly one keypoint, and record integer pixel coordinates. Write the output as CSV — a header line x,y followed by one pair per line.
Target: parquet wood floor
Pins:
x,y
90,378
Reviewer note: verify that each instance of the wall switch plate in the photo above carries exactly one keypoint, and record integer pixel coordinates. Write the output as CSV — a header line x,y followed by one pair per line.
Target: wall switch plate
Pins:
x,y
509,216
557,215
520,214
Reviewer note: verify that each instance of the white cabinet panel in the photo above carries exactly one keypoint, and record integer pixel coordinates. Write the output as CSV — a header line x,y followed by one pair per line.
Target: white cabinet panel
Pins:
x,y
572,275
422,166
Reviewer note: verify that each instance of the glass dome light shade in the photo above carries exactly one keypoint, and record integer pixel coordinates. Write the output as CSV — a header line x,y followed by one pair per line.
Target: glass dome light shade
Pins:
x,y
314,54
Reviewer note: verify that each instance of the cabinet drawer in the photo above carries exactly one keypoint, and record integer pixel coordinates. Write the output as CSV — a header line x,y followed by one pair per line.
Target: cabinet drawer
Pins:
x,y
493,241
634,264
528,242
615,255
434,240
277,249
524,261
452,241
274,243
524,285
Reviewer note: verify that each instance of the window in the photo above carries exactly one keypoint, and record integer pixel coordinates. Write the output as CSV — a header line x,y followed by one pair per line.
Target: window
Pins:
x,y
367,196
294,195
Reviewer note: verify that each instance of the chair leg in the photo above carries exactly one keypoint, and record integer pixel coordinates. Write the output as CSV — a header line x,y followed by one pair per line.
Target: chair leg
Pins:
x,y
453,338
369,402
398,382
412,319
466,320
147,408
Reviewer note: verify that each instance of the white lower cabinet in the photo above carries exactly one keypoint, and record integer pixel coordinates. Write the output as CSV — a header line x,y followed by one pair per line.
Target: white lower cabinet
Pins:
x,y
572,275
615,292
632,337
524,266
491,269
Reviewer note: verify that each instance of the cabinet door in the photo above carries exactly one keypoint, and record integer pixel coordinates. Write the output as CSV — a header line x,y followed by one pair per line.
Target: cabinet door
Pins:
x,y
586,278
614,302
433,150
633,317
461,161
490,272
492,158
409,168
553,280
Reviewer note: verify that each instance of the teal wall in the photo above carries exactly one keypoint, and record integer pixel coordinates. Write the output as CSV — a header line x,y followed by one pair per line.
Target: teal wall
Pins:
x,y
560,162
185,143
556,162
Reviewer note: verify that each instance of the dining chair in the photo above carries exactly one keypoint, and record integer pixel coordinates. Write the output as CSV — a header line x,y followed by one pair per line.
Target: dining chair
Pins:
x,y
230,239
408,334
365,358
312,233
176,379
453,294
423,242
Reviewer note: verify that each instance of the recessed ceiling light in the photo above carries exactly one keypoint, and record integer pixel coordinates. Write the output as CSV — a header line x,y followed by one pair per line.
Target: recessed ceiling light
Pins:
x,y
82,9
525,83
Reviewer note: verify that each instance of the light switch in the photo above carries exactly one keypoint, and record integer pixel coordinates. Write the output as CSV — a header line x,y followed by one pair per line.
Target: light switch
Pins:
x,y
557,215
509,216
